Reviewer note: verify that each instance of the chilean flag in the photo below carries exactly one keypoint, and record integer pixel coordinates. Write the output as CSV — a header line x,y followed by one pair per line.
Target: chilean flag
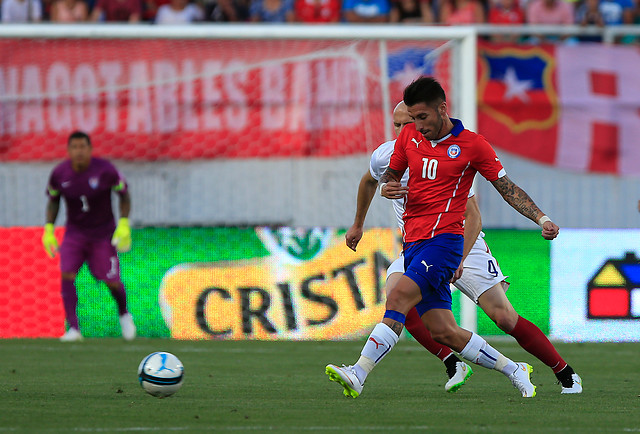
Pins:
x,y
576,107
518,102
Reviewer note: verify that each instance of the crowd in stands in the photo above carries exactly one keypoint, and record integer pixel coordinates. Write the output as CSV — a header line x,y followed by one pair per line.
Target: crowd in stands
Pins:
x,y
444,12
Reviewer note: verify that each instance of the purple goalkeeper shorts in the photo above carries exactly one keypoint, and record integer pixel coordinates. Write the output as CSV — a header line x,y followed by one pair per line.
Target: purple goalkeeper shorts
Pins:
x,y
98,253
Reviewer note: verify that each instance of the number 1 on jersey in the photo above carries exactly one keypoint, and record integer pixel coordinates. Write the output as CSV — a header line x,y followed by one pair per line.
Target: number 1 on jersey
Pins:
x,y
85,203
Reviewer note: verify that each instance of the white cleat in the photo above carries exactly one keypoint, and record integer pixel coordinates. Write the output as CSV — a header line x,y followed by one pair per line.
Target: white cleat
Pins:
x,y
576,387
128,327
521,380
461,375
345,376
72,335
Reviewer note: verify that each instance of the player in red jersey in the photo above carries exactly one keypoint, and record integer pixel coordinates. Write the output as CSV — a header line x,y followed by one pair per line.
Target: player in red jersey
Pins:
x,y
442,158
91,235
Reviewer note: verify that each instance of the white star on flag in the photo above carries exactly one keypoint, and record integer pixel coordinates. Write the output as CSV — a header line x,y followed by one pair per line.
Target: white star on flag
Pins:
x,y
516,88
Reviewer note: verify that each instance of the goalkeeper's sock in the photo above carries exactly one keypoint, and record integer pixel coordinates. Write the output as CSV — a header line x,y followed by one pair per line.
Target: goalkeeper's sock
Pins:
x,y
120,297
70,302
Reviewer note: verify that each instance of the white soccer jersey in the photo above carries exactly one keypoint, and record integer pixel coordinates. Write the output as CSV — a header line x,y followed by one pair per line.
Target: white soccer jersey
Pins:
x,y
378,165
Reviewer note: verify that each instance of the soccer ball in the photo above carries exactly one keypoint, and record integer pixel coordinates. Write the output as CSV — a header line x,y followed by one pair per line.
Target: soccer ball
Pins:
x,y
161,374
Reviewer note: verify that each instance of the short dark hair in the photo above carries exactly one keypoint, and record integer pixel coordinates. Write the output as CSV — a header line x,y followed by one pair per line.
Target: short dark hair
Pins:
x,y
79,135
426,90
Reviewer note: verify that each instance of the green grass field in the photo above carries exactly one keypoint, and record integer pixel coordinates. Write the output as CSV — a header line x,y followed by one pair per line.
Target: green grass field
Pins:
x,y
50,387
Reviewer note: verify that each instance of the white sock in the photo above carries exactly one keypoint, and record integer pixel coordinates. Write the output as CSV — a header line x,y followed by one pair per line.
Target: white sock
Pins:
x,y
380,342
478,351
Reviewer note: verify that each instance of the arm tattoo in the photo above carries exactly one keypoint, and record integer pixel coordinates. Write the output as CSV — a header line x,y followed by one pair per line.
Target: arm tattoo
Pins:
x,y
390,175
397,327
517,198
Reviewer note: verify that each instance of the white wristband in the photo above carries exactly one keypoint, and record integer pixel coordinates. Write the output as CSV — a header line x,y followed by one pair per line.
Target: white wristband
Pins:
x,y
542,220
381,187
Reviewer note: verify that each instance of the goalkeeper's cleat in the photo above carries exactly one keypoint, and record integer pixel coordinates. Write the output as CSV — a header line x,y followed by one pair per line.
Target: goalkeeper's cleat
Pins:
x,y
122,236
458,376
572,386
128,327
345,376
49,241
72,335
521,380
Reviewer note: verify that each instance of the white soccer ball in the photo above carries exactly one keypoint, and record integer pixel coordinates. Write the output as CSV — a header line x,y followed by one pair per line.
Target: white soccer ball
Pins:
x,y
161,374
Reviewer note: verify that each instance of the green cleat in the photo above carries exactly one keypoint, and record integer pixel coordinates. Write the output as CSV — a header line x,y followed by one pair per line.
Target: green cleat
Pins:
x,y
347,378
458,377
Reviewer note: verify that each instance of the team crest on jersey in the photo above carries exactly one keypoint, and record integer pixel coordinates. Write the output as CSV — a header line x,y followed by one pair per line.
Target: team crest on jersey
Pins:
x,y
94,182
453,151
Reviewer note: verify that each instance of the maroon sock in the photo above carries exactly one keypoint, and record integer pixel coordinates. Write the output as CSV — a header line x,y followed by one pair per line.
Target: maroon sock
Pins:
x,y
70,302
419,331
531,338
120,297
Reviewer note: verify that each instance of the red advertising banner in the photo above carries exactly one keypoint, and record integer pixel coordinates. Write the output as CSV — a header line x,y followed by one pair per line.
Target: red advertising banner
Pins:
x,y
30,303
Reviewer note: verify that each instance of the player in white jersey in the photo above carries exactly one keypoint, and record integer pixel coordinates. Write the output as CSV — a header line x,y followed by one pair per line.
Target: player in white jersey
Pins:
x,y
478,277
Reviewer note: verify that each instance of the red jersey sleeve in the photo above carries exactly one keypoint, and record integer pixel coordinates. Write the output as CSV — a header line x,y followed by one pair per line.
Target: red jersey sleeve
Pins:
x,y
398,161
487,162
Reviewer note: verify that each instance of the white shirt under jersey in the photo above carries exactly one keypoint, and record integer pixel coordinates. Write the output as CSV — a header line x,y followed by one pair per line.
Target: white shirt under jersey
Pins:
x,y
379,164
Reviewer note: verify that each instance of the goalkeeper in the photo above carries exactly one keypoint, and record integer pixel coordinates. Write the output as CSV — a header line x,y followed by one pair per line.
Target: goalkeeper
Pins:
x,y
86,183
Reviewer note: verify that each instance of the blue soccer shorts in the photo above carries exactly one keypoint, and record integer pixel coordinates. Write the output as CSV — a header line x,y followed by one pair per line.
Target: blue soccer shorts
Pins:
x,y
431,264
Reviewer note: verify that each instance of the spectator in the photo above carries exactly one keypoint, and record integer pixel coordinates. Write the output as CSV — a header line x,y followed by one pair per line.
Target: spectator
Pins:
x,y
588,14
460,12
226,10
179,12
505,12
411,12
617,12
366,11
150,9
552,12
69,11
272,11
317,11
117,11
21,11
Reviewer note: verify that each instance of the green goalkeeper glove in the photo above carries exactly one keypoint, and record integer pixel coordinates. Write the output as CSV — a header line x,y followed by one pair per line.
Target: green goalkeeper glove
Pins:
x,y
49,240
122,236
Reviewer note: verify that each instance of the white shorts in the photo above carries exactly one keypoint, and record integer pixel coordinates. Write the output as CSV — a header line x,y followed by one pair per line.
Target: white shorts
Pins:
x,y
480,271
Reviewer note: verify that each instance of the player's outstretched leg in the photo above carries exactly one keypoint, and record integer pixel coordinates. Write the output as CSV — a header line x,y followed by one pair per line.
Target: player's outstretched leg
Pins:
x,y
347,378
478,351
381,340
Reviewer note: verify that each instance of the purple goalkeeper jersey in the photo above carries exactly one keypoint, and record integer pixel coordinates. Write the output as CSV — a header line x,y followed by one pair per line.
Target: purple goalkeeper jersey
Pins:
x,y
87,195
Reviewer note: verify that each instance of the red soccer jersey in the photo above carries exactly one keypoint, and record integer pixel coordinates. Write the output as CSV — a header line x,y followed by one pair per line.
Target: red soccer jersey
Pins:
x,y
440,176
